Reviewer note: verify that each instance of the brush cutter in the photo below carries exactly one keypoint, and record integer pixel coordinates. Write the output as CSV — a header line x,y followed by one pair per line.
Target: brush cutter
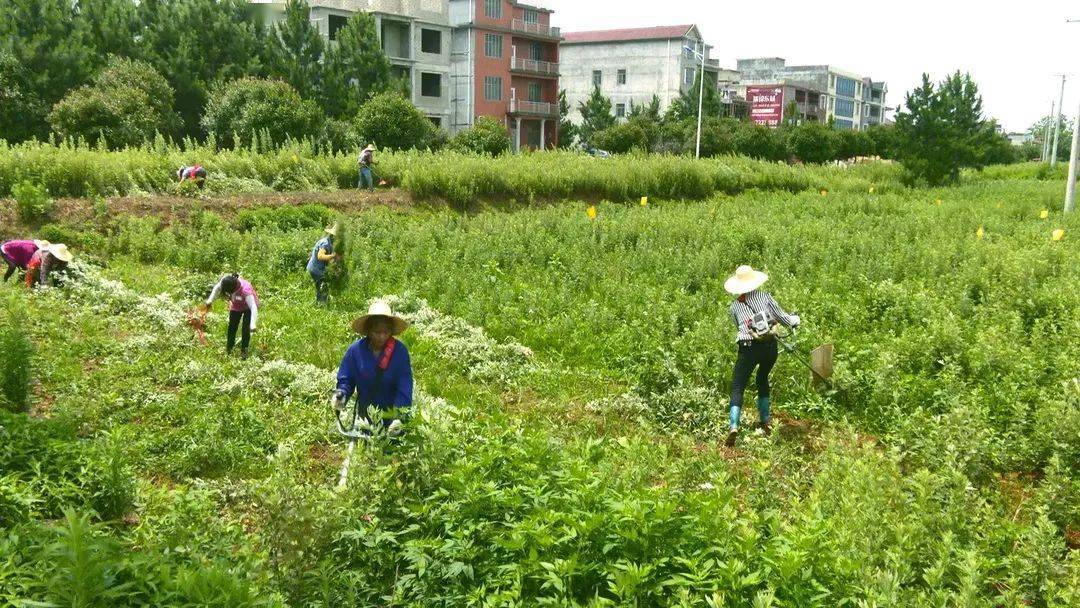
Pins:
x,y
356,427
819,360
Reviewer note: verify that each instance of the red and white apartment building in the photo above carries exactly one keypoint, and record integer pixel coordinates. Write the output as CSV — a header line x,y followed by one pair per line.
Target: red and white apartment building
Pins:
x,y
505,64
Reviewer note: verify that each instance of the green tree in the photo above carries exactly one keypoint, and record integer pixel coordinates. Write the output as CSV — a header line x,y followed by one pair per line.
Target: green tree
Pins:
x,y
595,115
567,130
392,122
355,68
296,49
128,104
1044,128
488,136
811,142
20,105
648,111
758,141
685,106
249,107
197,43
625,137
942,129
883,140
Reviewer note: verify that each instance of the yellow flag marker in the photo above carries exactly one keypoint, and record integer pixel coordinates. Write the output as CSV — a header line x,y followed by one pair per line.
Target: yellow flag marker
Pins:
x,y
644,201
295,159
1045,214
824,192
1057,235
592,212
980,233
937,202
871,189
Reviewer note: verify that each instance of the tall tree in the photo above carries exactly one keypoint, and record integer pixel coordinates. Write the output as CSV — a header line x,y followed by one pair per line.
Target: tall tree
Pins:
x,y
943,130
648,111
355,68
1044,127
567,130
296,50
595,115
686,104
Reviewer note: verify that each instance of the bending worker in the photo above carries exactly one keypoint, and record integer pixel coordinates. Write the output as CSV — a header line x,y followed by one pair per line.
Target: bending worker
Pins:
x,y
321,255
17,255
756,315
377,368
195,173
243,307
45,262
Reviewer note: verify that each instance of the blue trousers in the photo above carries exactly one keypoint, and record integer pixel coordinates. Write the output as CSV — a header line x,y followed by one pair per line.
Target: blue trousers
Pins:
x,y
367,180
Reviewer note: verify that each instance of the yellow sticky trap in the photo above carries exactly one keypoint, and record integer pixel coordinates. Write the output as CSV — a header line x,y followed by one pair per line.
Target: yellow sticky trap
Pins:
x,y
1057,235
871,189
644,201
592,212
980,233
937,202
295,158
824,192
1045,214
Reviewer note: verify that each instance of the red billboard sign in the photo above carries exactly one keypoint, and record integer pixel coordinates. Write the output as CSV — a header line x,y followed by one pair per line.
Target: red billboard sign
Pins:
x,y
766,104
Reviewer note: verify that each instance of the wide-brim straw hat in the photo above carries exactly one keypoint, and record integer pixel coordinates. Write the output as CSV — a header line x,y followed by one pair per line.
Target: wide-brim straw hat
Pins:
x,y
379,308
41,244
745,280
370,147
331,230
60,252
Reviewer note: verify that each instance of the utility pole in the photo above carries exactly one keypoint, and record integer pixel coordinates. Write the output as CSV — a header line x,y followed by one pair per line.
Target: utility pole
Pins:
x,y
1070,190
1057,124
1046,135
701,92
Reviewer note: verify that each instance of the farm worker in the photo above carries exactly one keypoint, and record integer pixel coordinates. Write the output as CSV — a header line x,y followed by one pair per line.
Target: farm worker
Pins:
x,y
195,173
321,255
367,159
377,368
756,315
243,307
46,261
17,254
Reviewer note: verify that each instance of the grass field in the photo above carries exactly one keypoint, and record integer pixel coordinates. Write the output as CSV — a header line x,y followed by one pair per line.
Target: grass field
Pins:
x,y
573,378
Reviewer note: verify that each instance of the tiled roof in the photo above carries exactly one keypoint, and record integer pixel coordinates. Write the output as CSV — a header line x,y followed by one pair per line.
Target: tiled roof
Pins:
x,y
663,32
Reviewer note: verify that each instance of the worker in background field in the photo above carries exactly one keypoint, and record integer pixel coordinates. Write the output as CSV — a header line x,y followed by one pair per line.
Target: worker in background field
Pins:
x,y
377,368
45,263
756,315
243,308
17,254
321,256
194,173
367,159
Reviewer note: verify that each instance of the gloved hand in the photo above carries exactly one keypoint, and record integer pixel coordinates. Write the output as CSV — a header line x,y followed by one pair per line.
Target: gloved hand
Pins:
x,y
337,401
395,428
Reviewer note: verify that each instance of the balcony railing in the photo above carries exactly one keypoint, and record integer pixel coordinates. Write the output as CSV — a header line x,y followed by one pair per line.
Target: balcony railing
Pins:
x,y
532,65
536,108
519,25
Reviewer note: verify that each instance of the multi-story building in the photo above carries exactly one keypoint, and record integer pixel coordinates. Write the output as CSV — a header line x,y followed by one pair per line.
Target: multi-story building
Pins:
x,y
850,100
630,66
505,64
415,35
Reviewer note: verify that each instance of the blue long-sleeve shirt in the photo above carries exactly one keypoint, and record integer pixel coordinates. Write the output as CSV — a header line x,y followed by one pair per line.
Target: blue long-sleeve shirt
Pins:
x,y
357,374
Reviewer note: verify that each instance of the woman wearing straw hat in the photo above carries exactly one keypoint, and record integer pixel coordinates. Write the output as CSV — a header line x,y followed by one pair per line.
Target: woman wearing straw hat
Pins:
x,y
321,255
243,309
377,368
367,159
17,254
755,314
45,261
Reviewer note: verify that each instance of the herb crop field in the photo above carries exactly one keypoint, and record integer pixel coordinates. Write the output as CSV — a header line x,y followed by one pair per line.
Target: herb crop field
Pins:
x,y
572,378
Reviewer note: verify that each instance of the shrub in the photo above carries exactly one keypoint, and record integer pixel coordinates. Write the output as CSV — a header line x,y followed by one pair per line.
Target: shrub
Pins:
x,y
623,137
127,104
16,353
241,109
392,122
33,202
488,136
812,142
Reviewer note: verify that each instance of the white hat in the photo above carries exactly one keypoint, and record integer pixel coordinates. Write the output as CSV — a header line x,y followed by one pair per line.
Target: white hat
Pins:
x,y
60,252
331,230
41,244
370,147
380,308
745,280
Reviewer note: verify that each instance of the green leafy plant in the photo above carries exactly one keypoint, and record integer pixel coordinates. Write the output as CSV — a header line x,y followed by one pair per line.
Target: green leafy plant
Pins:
x,y
32,202
16,357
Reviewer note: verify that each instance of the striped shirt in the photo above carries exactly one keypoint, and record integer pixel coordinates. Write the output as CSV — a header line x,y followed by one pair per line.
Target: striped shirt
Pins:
x,y
746,306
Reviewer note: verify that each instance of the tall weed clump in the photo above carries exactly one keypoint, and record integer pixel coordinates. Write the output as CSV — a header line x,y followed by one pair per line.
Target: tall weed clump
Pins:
x,y
32,202
16,354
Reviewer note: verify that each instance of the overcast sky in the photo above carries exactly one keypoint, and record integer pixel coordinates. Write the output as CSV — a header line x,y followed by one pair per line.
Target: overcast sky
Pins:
x,y
1012,49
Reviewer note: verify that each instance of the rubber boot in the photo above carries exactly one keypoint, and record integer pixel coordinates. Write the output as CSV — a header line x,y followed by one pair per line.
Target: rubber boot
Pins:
x,y
733,418
243,353
764,415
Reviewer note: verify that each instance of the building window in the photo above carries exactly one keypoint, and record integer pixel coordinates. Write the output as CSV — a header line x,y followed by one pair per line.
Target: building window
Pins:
x,y
688,76
845,108
531,16
493,88
536,51
430,85
493,8
335,23
430,41
436,120
535,91
597,78
620,110
845,87
620,77
493,45
844,125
